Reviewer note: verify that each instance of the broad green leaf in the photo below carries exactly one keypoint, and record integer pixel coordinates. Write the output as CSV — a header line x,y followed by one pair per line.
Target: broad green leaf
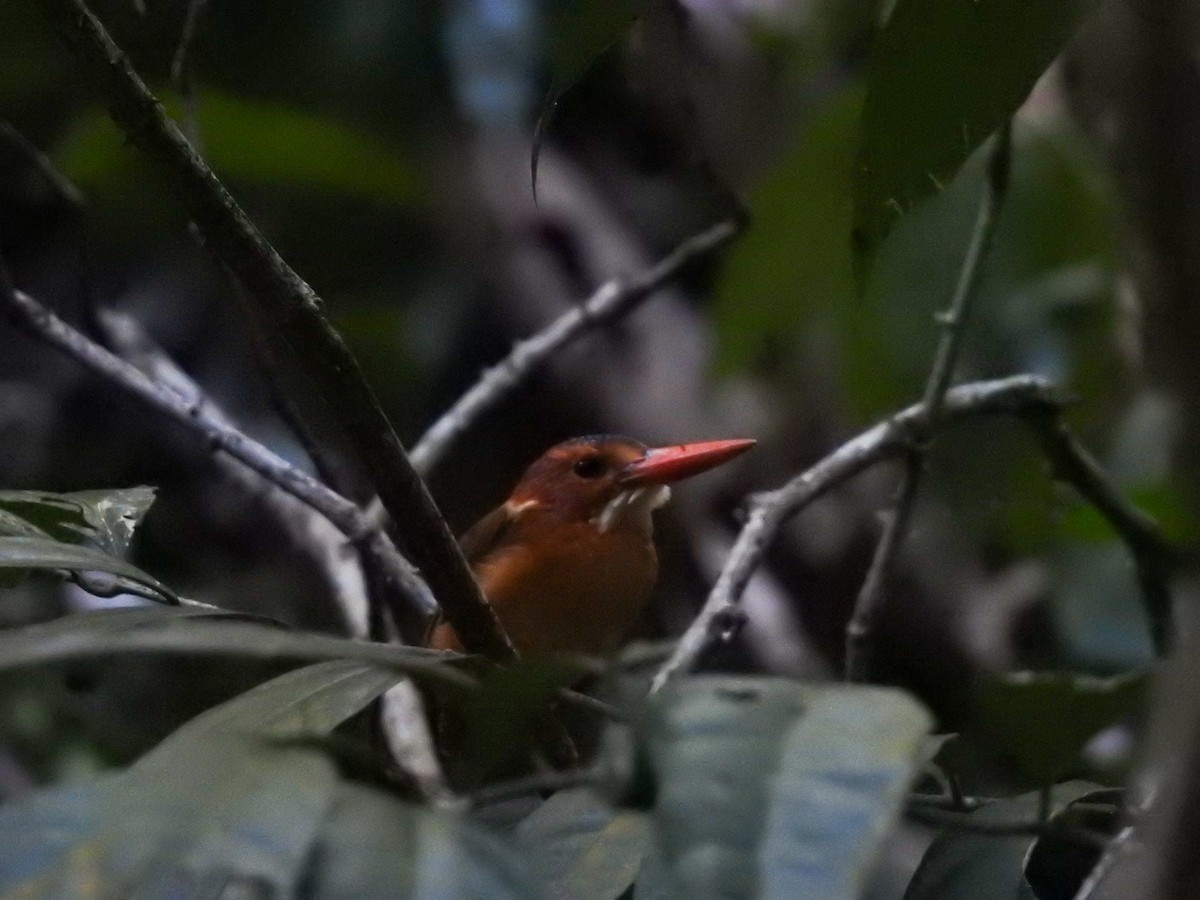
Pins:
x,y
44,553
105,518
770,789
309,701
253,142
101,634
213,809
968,865
1043,720
792,272
1045,302
206,804
944,74
374,846
580,848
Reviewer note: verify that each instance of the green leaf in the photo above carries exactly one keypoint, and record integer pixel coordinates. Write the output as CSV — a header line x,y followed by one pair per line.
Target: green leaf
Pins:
x,y
580,848
501,718
212,809
203,633
253,142
1043,720
969,865
44,553
944,74
769,788
792,272
309,701
104,518
373,846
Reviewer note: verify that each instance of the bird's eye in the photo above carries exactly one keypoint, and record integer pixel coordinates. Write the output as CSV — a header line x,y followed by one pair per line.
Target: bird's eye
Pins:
x,y
590,467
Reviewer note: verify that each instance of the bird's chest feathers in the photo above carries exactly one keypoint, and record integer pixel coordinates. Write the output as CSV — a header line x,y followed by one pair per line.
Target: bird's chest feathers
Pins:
x,y
584,593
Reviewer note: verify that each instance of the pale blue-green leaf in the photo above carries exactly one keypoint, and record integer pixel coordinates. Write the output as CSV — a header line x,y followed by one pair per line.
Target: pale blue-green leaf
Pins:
x,y
580,848
770,789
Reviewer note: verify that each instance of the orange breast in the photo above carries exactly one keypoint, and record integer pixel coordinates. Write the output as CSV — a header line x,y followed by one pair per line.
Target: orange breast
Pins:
x,y
582,593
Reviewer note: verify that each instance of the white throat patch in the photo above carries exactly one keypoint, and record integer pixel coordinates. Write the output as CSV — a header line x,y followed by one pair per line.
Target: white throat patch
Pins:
x,y
633,507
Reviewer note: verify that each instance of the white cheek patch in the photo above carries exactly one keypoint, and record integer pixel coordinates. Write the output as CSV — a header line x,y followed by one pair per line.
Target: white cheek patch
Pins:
x,y
633,508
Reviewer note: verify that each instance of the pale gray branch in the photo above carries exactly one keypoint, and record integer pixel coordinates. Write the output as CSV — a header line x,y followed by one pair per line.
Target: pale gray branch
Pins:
x,y
28,314
611,301
768,511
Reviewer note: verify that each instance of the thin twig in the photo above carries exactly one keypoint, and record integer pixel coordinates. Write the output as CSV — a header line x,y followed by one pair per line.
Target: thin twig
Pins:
x,y
1020,395
1154,558
66,189
860,632
34,318
297,312
610,302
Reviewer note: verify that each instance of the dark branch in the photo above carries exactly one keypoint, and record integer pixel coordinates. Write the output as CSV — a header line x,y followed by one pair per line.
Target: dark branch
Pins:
x,y
292,307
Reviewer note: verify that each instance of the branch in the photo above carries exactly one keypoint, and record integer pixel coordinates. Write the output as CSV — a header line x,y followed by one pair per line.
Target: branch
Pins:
x,y
1155,560
613,300
1020,395
307,529
405,727
860,631
30,316
297,312
66,189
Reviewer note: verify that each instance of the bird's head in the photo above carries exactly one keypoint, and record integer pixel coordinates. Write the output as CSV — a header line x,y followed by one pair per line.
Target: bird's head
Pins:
x,y
613,482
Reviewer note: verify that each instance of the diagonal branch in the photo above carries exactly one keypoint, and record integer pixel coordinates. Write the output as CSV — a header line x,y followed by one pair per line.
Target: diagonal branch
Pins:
x,y
769,511
860,631
29,315
610,302
1035,402
292,307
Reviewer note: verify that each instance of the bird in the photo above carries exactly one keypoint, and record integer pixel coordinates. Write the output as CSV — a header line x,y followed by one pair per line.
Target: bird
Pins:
x,y
568,561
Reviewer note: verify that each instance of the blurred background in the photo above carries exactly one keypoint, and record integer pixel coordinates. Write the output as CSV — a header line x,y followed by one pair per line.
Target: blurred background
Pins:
x,y
385,149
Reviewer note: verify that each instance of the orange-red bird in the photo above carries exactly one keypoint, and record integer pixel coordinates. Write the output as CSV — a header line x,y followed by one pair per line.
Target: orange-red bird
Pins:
x,y
568,561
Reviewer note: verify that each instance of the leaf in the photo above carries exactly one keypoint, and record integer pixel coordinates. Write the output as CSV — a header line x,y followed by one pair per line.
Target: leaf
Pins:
x,y
212,809
501,717
944,74
769,788
106,518
1044,719
969,865
100,634
580,848
257,143
373,846
792,272
44,553
309,701
204,804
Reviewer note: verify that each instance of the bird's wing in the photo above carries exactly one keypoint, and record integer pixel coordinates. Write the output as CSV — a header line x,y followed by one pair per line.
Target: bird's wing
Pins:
x,y
485,535
476,543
